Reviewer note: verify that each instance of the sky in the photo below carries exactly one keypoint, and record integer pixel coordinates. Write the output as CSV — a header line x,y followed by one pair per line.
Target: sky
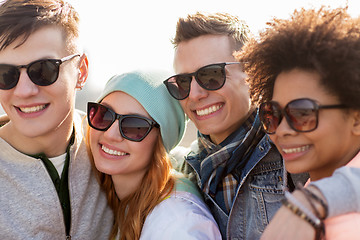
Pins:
x,y
121,36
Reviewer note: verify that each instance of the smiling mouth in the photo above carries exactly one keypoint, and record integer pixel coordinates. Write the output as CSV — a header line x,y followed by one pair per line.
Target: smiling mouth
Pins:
x,y
209,110
113,152
295,150
32,109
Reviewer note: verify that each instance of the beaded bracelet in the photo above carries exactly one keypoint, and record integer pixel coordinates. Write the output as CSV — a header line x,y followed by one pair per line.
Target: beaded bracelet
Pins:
x,y
309,195
311,203
300,210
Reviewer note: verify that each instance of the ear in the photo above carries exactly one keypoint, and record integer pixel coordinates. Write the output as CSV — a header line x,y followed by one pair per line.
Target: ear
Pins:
x,y
83,72
356,124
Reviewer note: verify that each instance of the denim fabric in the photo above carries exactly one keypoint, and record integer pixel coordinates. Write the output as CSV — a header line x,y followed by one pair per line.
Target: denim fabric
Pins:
x,y
258,197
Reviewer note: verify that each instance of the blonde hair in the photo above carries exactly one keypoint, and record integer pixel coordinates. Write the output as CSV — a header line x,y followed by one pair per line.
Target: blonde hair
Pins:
x,y
130,213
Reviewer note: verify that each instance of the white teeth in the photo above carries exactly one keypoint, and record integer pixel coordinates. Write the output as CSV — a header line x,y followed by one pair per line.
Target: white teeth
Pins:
x,y
207,111
112,152
32,109
296,150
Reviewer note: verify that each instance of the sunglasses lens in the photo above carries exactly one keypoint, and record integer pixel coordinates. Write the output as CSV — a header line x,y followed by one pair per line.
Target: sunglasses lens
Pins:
x,y
99,117
44,72
270,116
302,115
135,128
179,86
211,77
9,76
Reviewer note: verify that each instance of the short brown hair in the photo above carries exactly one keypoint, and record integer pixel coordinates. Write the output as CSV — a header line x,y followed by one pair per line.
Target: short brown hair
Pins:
x,y
200,24
22,18
324,41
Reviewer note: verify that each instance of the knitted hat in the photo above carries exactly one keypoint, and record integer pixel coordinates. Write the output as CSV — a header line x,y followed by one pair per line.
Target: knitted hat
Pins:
x,y
148,89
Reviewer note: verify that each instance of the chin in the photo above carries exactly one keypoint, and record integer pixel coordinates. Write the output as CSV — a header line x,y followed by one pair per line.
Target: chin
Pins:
x,y
105,169
295,169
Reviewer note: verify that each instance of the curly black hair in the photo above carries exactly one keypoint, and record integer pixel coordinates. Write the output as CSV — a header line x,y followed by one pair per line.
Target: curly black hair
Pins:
x,y
324,41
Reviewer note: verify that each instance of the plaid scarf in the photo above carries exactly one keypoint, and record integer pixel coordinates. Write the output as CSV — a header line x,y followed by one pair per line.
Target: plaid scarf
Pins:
x,y
217,169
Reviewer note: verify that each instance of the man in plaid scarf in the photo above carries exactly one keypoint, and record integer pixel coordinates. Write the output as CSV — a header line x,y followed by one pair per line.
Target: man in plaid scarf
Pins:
x,y
237,168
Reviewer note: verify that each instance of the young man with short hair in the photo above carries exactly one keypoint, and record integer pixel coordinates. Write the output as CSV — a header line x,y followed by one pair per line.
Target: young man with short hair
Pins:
x,y
48,190
239,171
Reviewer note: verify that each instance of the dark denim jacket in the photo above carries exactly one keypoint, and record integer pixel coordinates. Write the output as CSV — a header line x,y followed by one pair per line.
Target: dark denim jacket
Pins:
x,y
258,196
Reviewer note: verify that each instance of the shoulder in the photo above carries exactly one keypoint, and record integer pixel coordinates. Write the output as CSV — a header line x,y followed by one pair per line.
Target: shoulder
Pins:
x,y
355,162
179,153
265,157
177,156
182,215
267,149
79,117
80,125
184,200
184,184
343,227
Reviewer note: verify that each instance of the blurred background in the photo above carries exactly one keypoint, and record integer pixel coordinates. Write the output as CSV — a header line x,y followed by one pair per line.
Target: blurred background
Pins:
x,y
121,36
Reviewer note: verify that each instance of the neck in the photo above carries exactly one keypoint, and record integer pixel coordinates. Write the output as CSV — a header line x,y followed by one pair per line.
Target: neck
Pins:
x,y
127,184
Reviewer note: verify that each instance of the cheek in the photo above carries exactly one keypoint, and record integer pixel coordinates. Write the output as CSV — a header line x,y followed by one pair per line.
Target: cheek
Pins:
x,y
66,84
326,143
142,156
4,96
273,137
243,95
238,91
93,138
147,148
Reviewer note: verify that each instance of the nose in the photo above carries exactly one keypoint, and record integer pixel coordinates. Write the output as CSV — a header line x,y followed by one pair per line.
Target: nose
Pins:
x,y
113,133
284,128
196,91
25,87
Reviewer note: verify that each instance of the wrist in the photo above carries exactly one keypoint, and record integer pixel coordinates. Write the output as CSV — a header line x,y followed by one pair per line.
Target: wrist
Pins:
x,y
317,201
300,205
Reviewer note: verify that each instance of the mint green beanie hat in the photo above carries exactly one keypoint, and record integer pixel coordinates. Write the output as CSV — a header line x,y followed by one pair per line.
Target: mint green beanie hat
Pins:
x,y
148,89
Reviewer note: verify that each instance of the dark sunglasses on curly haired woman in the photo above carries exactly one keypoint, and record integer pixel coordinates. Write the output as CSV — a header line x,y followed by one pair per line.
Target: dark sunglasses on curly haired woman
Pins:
x,y
42,72
132,127
302,114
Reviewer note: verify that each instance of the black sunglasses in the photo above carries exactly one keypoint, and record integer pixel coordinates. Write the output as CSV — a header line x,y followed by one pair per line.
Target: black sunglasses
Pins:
x,y
132,127
302,114
41,72
209,77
